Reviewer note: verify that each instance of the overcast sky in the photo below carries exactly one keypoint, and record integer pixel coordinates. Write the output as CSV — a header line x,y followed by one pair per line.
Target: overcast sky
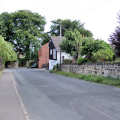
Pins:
x,y
99,16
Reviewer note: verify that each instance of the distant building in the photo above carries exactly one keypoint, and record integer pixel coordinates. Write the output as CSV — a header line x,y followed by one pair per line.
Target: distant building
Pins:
x,y
49,54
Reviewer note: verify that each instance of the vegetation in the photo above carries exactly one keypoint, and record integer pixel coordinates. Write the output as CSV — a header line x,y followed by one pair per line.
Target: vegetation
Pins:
x,y
6,51
92,78
72,43
87,48
0,73
97,50
24,30
81,60
46,38
115,39
67,61
68,25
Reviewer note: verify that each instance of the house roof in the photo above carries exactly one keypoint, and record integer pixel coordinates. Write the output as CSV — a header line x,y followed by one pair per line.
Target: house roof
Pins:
x,y
57,40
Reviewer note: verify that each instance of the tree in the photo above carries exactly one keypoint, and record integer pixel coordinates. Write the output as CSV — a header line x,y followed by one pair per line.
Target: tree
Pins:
x,y
73,43
6,51
23,29
97,50
103,55
115,39
46,38
92,50
68,25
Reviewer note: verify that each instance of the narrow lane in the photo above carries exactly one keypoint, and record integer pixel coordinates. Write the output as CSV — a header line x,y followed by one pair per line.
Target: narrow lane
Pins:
x,y
48,96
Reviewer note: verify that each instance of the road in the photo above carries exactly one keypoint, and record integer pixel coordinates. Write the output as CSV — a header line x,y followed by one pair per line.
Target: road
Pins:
x,y
47,96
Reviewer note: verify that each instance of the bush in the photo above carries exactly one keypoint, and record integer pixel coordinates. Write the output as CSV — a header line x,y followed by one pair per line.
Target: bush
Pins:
x,y
81,60
56,68
67,61
7,52
104,55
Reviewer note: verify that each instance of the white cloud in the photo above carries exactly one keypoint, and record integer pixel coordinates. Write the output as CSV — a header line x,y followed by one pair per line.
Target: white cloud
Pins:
x,y
99,16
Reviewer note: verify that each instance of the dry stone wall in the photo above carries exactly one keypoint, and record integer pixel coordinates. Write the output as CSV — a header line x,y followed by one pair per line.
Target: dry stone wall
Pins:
x,y
111,70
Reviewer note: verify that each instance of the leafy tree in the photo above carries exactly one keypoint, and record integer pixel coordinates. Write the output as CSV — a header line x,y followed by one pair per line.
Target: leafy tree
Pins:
x,y
68,25
6,51
73,43
103,55
96,50
23,29
46,38
115,39
80,46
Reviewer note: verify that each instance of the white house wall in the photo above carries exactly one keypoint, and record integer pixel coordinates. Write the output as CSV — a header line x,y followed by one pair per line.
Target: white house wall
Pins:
x,y
66,56
52,63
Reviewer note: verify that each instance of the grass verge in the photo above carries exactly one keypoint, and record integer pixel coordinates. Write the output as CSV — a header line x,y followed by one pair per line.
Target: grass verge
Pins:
x,y
91,78
0,73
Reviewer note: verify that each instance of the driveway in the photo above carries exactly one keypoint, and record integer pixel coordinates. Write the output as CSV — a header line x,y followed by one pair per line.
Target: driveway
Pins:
x,y
47,96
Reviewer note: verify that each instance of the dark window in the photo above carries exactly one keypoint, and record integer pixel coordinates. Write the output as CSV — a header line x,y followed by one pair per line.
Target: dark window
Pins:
x,y
53,54
63,58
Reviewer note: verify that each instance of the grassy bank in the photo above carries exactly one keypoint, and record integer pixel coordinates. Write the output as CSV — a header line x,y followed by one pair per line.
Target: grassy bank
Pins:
x,y
0,73
92,78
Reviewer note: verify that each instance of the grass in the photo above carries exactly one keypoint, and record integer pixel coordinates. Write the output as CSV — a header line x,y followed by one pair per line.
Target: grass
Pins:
x,y
91,78
0,73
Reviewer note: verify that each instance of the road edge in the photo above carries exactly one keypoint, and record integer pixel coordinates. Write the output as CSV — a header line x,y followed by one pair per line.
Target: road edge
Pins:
x,y
20,99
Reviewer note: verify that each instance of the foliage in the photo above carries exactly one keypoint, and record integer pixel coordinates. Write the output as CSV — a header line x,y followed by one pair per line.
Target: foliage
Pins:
x,y
68,25
6,51
46,38
72,43
67,61
103,54
78,41
81,60
56,67
23,29
79,45
67,46
92,78
115,39
97,50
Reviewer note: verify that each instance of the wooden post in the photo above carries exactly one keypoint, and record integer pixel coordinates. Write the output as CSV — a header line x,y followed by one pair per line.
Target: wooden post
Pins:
x,y
60,59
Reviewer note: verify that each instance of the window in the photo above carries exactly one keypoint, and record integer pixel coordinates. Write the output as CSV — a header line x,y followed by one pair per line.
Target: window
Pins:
x,y
51,52
54,54
63,58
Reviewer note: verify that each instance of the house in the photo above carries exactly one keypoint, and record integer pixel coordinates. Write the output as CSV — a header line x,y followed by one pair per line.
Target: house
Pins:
x,y
50,54
43,56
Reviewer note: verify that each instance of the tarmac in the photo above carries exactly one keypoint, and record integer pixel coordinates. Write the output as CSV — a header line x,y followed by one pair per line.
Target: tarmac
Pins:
x,y
10,103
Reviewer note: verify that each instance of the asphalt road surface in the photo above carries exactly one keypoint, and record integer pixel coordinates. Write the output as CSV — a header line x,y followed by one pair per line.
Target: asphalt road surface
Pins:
x,y
47,96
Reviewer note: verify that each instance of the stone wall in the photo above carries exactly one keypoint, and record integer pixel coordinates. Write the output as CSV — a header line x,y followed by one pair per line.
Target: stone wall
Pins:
x,y
111,70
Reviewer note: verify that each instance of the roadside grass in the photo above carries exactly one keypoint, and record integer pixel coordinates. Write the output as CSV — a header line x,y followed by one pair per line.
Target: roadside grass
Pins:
x,y
0,73
91,78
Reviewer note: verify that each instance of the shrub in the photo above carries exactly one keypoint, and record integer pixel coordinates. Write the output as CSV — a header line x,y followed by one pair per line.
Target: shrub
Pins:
x,y
67,61
56,68
81,60
7,52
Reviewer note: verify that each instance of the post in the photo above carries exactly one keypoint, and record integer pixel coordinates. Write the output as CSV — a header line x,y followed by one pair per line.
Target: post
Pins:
x,y
60,59
60,39
60,30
